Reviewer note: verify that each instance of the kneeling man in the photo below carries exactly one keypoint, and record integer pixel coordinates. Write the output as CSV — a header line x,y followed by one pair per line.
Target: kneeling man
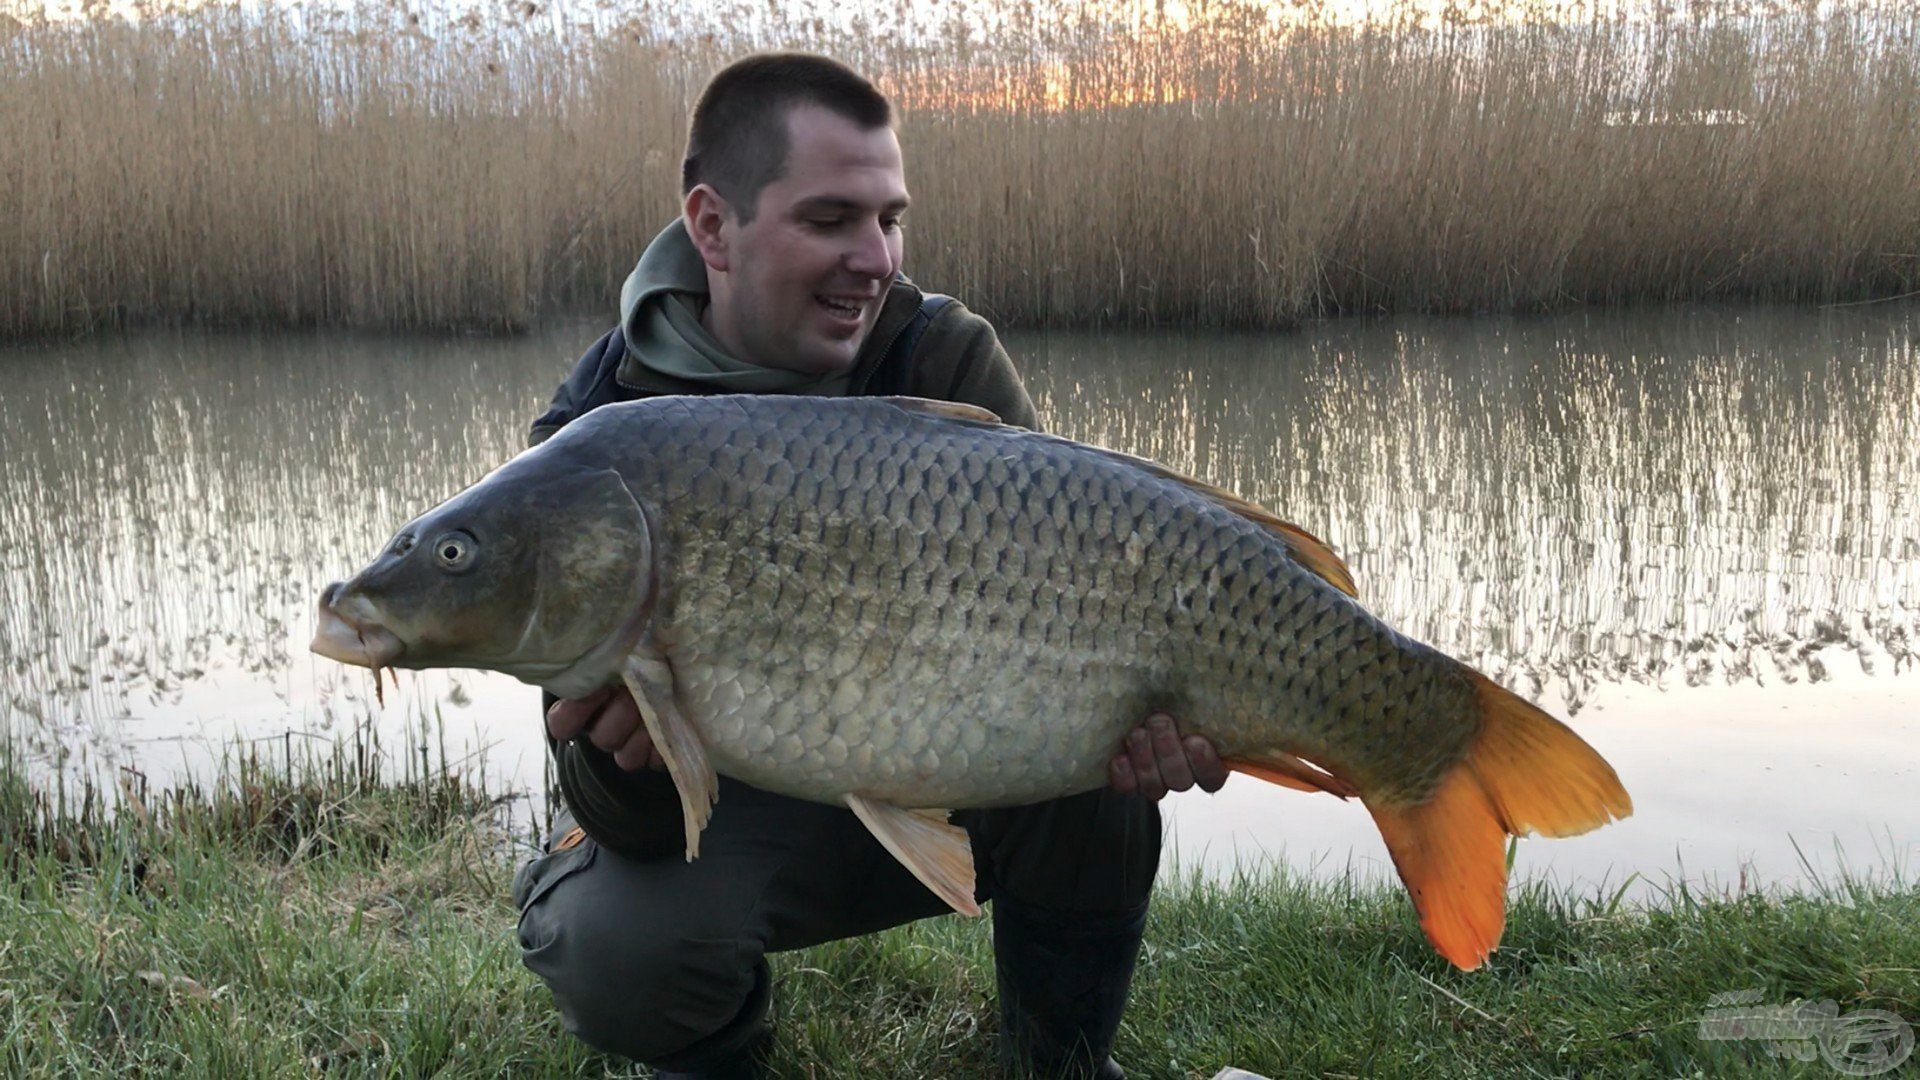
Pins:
x,y
782,275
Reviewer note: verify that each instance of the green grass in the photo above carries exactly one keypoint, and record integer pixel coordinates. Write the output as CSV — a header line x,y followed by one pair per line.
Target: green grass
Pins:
x,y
328,918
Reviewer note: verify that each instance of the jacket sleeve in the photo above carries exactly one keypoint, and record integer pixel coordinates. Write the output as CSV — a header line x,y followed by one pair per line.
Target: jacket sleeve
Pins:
x,y
977,370
590,385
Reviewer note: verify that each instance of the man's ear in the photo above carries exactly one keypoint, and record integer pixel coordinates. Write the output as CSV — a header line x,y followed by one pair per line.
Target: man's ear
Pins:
x,y
707,215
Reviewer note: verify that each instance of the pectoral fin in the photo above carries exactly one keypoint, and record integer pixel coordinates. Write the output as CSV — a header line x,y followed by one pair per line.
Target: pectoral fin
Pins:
x,y
651,681
937,853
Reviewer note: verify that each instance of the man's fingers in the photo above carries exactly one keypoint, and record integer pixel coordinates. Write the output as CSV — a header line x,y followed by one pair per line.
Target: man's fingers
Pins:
x,y
1169,753
637,752
1208,770
617,722
570,716
1146,770
1155,759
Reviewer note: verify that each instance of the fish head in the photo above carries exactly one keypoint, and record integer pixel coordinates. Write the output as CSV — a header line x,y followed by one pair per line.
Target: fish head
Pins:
x,y
542,572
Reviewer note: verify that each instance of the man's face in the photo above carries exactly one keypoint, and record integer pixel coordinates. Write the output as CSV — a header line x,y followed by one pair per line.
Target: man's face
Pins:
x,y
802,283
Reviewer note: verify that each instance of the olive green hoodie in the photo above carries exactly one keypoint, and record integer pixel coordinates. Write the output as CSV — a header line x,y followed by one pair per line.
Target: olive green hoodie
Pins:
x,y
668,351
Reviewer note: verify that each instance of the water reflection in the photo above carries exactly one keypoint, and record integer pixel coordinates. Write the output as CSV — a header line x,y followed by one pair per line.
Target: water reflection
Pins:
x,y
1689,498
1698,501
169,503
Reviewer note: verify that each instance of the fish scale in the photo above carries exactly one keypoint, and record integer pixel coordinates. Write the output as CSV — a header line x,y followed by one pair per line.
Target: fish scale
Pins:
x,y
893,604
1075,630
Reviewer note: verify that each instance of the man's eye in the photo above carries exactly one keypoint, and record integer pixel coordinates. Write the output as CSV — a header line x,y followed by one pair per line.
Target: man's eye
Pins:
x,y
824,223
892,224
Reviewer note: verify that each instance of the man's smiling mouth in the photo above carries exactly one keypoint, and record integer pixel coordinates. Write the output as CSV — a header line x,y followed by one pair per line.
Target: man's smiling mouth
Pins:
x,y
848,309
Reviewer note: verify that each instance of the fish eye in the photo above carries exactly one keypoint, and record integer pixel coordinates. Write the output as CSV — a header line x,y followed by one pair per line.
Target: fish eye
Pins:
x,y
455,550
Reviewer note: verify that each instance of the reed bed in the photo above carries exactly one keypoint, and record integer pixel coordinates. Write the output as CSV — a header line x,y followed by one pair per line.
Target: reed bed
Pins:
x,y
1076,163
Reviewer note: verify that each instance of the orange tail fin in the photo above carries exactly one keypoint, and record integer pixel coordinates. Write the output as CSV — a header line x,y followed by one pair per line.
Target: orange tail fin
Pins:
x,y
1525,772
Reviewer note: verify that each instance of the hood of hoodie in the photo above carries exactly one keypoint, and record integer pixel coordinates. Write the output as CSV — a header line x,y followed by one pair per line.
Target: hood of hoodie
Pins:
x,y
669,351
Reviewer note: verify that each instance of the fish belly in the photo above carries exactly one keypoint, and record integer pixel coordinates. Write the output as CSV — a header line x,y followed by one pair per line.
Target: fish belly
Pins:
x,y
936,614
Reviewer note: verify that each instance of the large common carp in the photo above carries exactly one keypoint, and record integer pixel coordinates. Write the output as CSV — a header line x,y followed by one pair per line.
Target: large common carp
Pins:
x,y
905,606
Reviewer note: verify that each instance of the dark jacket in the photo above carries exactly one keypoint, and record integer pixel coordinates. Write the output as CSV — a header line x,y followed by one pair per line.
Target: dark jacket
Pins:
x,y
922,345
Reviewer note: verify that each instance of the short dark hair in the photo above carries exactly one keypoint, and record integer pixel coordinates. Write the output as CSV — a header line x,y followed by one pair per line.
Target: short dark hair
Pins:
x,y
737,142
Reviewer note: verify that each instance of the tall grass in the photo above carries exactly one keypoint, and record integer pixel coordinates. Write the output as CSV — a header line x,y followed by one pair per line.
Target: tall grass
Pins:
x,y
1070,164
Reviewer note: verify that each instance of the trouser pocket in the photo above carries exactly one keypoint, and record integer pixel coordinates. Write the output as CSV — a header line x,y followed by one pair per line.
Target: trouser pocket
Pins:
x,y
538,877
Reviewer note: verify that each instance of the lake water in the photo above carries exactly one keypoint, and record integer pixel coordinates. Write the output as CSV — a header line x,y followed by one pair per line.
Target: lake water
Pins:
x,y
1694,532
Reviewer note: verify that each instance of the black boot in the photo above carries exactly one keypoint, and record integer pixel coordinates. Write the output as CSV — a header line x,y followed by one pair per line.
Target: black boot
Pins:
x,y
1063,984
745,1066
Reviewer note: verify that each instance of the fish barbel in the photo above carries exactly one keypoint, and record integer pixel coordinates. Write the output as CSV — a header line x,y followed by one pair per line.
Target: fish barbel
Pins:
x,y
907,607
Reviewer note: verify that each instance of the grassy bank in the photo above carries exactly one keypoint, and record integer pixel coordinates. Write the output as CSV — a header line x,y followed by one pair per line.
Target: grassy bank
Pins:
x,y
331,919
1073,162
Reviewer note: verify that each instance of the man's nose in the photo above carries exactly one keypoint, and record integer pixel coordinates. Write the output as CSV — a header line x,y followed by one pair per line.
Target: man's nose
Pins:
x,y
870,256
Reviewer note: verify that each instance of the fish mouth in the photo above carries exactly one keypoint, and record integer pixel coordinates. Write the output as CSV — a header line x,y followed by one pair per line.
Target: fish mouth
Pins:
x,y
348,631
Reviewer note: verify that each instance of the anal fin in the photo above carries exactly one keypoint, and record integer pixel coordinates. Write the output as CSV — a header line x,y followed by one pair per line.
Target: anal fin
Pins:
x,y
650,680
937,853
1280,767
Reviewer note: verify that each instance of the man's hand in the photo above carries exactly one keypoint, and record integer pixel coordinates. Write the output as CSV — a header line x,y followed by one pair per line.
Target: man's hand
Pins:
x,y
611,721
1157,760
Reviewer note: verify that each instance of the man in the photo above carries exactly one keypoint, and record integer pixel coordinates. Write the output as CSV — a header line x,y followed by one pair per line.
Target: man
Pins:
x,y
782,275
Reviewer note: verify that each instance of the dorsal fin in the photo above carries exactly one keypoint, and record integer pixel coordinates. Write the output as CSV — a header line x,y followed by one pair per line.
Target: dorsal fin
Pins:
x,y
951,410
1307,549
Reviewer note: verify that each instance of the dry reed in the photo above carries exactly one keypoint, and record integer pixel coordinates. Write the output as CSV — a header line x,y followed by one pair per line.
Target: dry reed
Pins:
x,y
1070,165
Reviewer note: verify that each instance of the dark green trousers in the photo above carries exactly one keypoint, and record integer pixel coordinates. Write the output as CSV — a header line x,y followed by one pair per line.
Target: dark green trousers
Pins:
x,y
664,961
